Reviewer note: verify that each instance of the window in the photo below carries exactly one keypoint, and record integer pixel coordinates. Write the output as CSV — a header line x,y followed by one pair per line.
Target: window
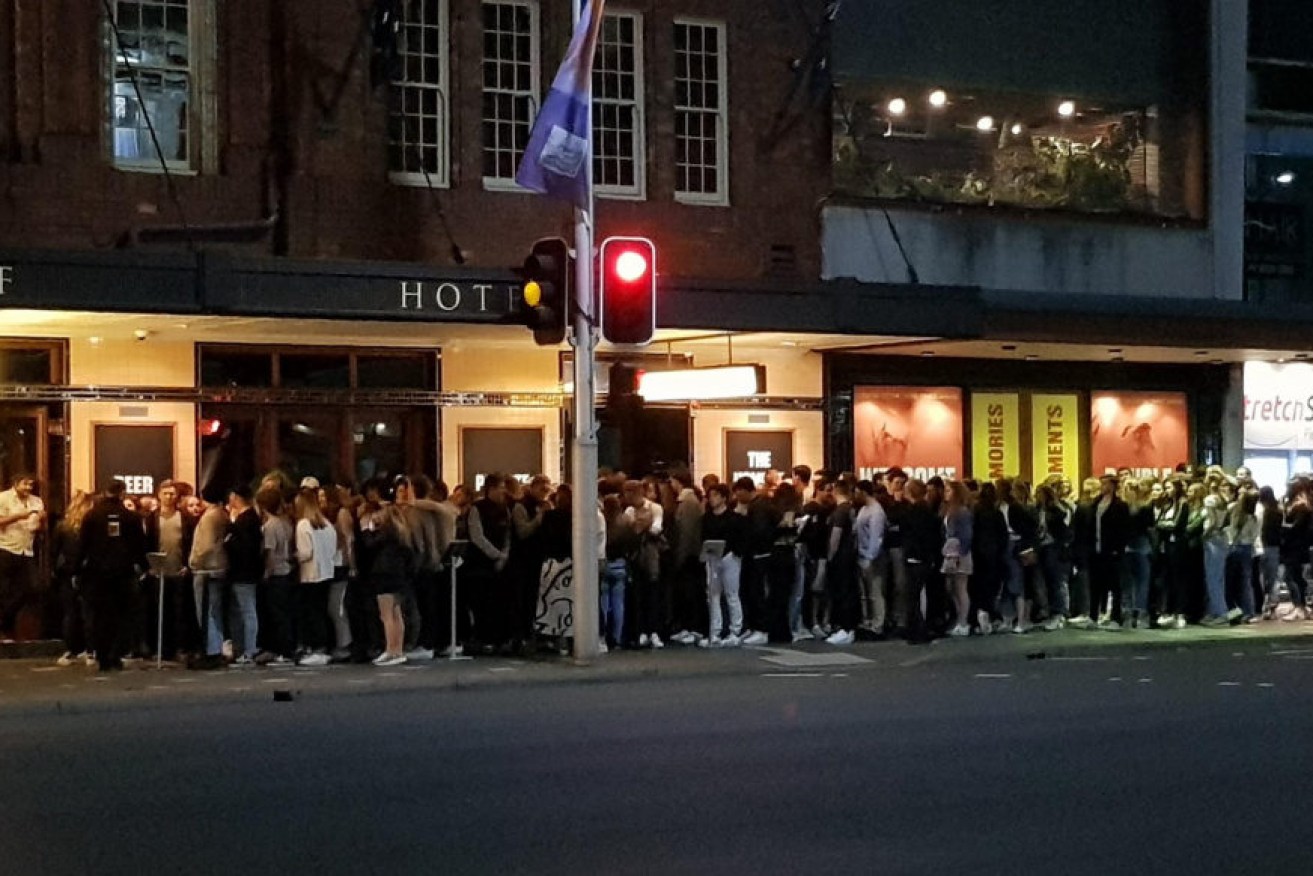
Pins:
x,y
159,45
417,130
618,107
701,160
510,87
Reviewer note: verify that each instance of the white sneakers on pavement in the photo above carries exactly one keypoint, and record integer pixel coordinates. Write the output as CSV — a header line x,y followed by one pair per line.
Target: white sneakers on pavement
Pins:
x,y
657,644
386,659
841,637
960,631
419,654
755,637
315,658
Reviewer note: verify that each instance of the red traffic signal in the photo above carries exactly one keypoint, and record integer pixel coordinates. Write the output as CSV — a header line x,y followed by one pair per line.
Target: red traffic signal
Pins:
x,y
628,290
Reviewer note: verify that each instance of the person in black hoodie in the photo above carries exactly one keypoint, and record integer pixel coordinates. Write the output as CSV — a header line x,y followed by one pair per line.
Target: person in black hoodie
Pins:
x,y
112,556
1296,536
64,552
922,541
763,518
1112,521
484,571
1023,553
989,545
245,571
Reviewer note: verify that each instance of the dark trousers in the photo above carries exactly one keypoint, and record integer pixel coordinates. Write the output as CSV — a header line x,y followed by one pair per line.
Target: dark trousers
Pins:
x,y
918,575
753,591
75,616
845,595
428,597
648,602
273,604
781,572
362,617
689,597
17,578
1105,579
312,615
110,598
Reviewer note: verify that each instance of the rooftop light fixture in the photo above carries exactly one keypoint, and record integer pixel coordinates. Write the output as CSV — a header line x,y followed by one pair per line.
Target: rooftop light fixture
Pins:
x,y
1067,109
938,98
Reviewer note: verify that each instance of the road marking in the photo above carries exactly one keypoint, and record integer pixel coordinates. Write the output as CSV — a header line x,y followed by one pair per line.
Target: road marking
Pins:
x,y
1298,657
275,680
359,681
1141,657
1292,651
791,659
792,674
501,669
184,681
389,674
993,675
1146,681
46,668
1228,684
838,675
1079,659
1115,678
157,687
1266,684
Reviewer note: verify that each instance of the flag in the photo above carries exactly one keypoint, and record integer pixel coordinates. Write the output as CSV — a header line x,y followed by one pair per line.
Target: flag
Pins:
x,y
555,162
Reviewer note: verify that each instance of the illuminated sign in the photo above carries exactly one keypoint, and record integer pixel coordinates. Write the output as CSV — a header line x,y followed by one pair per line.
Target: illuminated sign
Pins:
x,y
917,429
1278,406
1148,433
995,435
752,453
1055,436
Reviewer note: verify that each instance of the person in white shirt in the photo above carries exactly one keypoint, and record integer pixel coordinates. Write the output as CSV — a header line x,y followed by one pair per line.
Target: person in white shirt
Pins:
x,y
869,530
22,516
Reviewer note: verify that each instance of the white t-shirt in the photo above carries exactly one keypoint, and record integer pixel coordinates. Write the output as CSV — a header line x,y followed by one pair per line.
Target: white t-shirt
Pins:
x,y
18,537
315,549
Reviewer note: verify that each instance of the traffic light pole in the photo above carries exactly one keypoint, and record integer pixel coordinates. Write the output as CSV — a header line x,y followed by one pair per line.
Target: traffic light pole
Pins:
x,y
583,529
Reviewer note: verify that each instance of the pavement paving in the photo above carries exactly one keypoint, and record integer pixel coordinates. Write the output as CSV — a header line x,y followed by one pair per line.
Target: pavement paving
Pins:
x,y
38,684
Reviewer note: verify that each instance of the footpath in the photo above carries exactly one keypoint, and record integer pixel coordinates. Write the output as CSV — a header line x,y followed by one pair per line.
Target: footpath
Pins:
x,y
29,684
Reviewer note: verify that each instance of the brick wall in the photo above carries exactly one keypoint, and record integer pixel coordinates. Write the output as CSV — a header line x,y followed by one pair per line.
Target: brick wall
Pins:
x,y
280,62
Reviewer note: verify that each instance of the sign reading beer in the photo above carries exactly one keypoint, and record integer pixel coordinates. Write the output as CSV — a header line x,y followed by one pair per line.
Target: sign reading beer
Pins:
x,y
918,429
1148,433
753,453
514,452
995,435
1055,436
1278,406
140,456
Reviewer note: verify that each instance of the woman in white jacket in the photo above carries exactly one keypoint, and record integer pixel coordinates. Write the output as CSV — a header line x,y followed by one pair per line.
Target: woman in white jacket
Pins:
x,y
316,547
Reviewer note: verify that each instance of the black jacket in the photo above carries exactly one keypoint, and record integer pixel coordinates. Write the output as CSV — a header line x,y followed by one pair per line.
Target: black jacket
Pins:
x,y
922,534
1024,522
1114,530
245,546
112,542
729,527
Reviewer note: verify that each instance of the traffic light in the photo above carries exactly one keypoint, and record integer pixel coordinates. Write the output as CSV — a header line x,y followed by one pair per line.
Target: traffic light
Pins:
x,y
545,295
628,290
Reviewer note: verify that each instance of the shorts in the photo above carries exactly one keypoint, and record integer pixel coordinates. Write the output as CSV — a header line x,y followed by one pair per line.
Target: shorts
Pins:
x,y
957,565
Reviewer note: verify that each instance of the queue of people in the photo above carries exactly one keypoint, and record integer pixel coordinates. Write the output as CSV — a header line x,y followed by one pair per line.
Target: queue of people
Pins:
x,y
311,574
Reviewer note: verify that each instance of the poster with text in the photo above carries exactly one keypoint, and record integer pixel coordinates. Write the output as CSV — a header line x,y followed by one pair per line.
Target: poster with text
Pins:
x,y
918,429
1148,433
995,435
1055,436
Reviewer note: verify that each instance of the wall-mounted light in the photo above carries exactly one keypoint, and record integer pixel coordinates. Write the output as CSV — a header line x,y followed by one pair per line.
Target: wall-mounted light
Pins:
x,y
938,98
1067,109
1284,178
985,123
897,106
1016,129
702,384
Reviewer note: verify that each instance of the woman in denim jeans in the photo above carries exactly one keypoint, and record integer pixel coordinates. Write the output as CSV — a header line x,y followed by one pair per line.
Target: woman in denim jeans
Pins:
x,y
1241,533
1215,550
1269,527
621,541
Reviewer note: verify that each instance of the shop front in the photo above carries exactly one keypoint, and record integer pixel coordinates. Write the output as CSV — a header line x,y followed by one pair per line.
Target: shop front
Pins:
x,y
1278,420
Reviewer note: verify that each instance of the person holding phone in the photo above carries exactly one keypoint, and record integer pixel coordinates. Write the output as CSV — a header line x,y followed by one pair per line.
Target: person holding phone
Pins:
x,y
22,516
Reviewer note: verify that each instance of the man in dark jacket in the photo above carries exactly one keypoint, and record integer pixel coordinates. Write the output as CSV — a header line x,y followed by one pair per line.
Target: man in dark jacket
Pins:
x,y
113,556
1112,524
922,540
763,518
245,570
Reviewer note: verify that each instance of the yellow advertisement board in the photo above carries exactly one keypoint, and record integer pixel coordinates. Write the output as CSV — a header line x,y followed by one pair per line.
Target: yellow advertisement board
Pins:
x,y
1055,436
995,435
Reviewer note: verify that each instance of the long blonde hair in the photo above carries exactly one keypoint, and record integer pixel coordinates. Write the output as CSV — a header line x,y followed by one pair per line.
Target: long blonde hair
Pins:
x,y
78,507
307,508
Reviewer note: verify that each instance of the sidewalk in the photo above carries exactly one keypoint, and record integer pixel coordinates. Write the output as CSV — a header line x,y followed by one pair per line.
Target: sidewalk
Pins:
x,y
39,685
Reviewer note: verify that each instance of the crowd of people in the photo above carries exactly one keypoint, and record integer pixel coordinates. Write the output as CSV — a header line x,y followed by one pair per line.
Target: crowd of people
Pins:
x,y
314,573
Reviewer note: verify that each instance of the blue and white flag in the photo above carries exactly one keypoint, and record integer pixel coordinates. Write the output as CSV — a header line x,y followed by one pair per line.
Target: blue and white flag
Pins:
x,y
556,160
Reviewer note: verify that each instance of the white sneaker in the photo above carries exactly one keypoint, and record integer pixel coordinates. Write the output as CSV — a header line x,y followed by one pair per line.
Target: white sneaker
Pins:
x,y
801,636
66,659
601,647
279,660
683,637
453,651
1021,629
227,649
1234,615
386,659
731,641
656,642
643,641
1109,624
1053,624
1080,622
960,631
1179,623
419,654
713,642
842,637
756,637
316,658
817,632
1166,621
90,658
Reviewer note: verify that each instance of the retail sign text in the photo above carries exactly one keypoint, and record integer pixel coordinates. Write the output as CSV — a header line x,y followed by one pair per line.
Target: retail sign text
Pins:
x,y
1278,406
6,278
1055,435
995,435
449,297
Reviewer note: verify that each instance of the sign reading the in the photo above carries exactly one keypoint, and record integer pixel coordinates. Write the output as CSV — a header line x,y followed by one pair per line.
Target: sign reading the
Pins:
x,y
995,435
1055,436
752,453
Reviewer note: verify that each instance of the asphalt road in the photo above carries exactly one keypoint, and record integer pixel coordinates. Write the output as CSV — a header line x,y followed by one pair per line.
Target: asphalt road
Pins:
x,y
1195,762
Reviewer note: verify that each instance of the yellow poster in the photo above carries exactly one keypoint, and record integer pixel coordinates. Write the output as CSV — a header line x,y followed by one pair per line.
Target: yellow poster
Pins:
x,y
995,435
1055,436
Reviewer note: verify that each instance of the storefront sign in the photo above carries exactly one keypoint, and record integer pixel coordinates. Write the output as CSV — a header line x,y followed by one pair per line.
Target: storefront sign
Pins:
x,y
1055,436
917,429
139,455
753,453
995,435
1148,433
514,452
1278,406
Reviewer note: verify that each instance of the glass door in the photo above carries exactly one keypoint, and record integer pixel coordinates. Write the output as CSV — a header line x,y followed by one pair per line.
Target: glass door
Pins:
x,y
23,446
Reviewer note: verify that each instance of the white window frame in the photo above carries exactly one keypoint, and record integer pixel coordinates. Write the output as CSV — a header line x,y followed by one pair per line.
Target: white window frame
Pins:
x,y
720,197
440,177
202,101
637,191
497,183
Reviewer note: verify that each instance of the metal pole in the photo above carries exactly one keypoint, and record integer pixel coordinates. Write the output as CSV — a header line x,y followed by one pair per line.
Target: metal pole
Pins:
x,y
453,654
583,527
